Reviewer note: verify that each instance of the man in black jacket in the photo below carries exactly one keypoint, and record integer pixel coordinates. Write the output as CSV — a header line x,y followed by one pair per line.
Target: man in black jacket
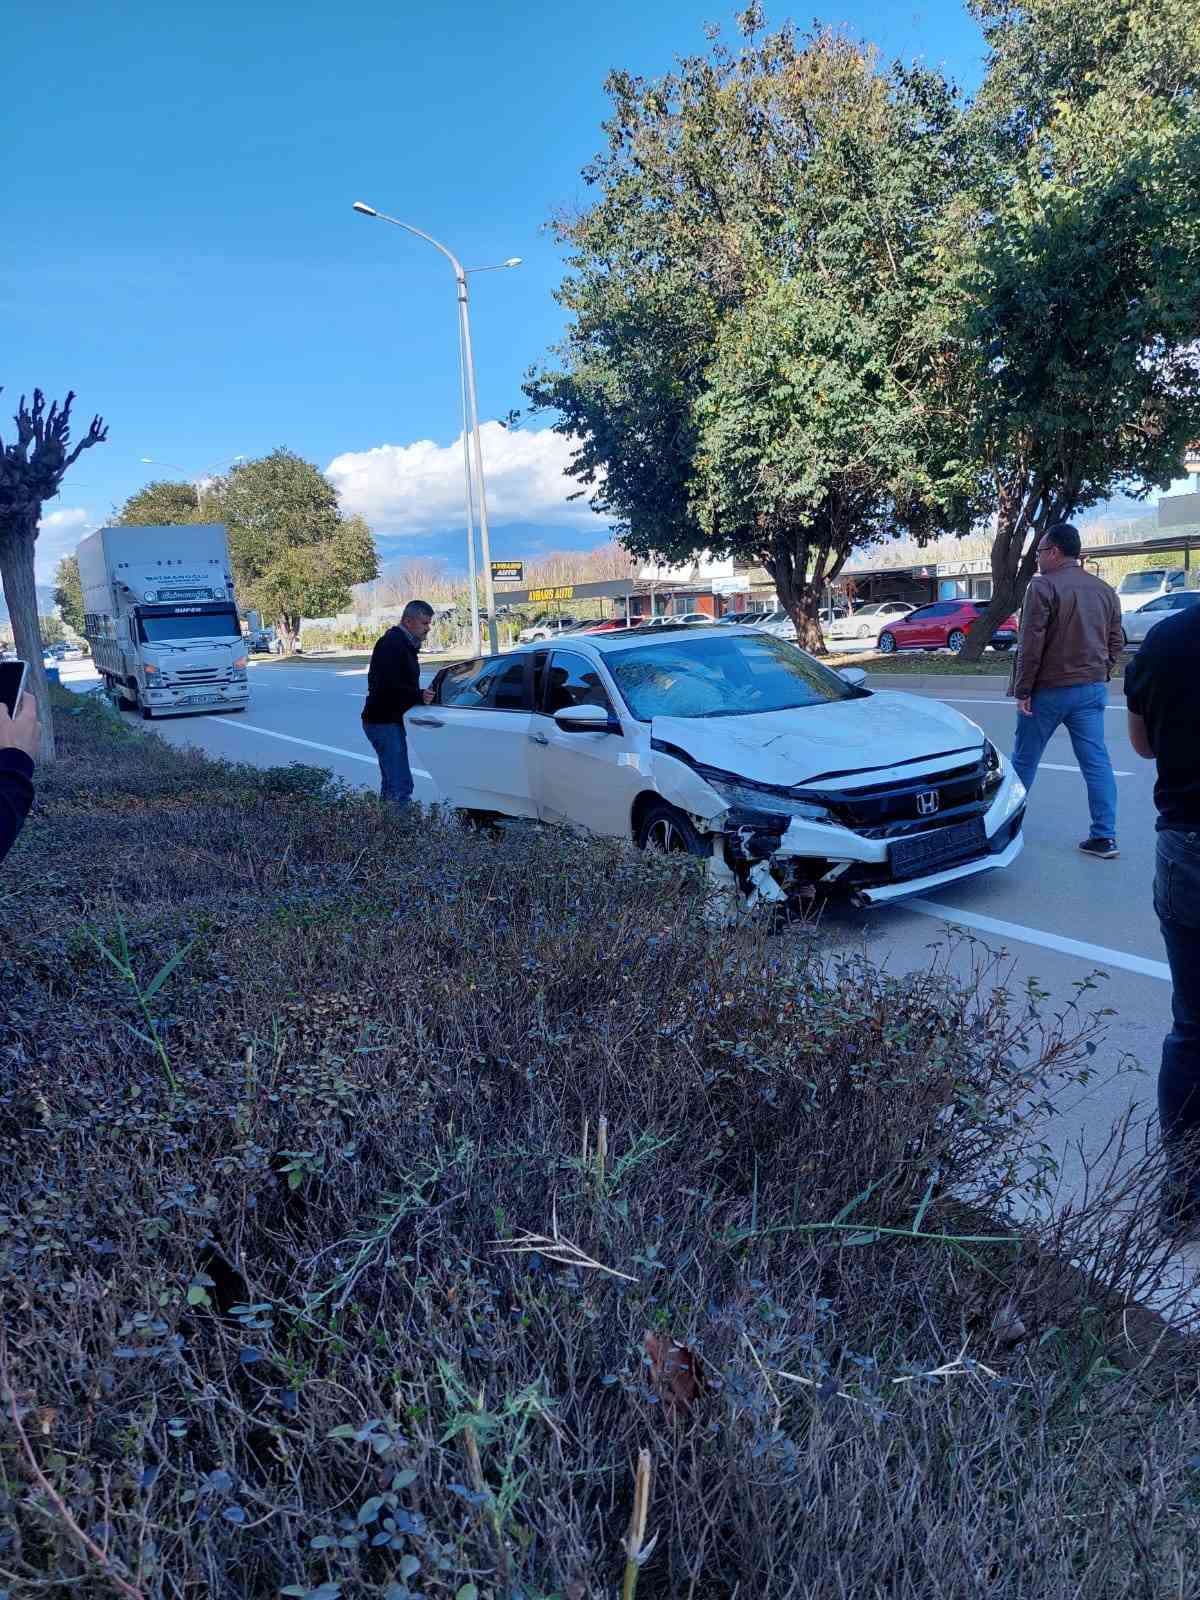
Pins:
x,y
19,738
394,687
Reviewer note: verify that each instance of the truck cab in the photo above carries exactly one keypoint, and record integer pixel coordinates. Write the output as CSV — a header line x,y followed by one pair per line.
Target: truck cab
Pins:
x,y
1136,589
162,620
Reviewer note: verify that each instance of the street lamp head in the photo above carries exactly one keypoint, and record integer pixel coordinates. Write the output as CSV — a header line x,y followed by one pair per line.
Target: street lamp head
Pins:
x,y
367,211
513,261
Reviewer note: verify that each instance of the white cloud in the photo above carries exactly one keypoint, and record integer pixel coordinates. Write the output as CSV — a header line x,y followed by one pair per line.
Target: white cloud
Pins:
x,y
58,534
418,488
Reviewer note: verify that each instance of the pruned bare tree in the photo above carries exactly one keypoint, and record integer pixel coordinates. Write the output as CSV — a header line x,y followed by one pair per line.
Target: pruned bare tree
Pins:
x,y
32,467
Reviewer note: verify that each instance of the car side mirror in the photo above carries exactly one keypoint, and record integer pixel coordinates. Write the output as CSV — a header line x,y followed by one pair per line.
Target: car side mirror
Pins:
x,y
854,676
585,719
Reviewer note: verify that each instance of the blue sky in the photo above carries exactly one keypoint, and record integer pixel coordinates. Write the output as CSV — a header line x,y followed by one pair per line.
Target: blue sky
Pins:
x,y
182,252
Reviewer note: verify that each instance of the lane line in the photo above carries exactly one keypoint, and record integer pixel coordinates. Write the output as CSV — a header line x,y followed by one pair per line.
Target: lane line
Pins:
x,y
296,689
1048,941
290,738
1052,766
990,700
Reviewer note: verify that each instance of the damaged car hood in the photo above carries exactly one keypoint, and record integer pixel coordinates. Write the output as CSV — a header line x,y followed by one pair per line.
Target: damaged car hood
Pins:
x,y
847,736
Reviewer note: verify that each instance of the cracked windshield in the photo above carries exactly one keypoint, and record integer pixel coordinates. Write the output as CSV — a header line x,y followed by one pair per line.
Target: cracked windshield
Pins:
x,y
724,678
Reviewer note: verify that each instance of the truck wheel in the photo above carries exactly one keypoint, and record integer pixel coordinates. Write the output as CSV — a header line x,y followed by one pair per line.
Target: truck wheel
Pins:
x,y
125,699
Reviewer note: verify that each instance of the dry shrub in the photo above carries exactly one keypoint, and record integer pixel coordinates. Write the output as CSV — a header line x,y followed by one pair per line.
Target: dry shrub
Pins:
x,y
329,1260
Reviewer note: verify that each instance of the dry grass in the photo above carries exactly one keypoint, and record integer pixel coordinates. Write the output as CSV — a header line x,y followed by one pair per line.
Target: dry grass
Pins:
x,y
319,1278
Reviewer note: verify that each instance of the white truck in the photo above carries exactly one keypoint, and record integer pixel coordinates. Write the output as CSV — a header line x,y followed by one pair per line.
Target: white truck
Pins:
x,y
161,619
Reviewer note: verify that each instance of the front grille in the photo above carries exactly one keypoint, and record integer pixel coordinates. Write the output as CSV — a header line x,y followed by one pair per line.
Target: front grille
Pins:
x,y
197,674
892,810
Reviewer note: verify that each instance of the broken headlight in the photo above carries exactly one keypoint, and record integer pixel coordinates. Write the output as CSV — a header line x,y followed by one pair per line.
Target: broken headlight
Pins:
x,y
993,775
746,795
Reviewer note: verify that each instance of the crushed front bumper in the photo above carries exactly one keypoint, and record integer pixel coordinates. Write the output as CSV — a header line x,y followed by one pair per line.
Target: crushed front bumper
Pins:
x,y
806,859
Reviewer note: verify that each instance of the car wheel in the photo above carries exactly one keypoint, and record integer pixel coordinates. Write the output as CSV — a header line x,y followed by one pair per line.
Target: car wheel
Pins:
x,y
956,640
887,644
1004,644
663,828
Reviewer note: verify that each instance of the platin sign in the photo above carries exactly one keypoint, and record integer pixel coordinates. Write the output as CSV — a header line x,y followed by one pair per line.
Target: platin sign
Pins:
x,y
508,571
187,594
564,591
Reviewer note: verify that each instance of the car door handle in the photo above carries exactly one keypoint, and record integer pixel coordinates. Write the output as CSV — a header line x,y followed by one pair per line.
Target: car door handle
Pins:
x,y
427,722
538,738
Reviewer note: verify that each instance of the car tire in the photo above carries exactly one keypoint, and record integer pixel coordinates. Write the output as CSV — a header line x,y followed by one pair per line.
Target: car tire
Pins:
x,y
662,827
1004,644
956,640
126,695
887,644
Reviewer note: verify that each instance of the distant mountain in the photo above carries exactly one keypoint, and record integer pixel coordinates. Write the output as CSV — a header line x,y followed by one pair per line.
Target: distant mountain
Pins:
x,y
45,596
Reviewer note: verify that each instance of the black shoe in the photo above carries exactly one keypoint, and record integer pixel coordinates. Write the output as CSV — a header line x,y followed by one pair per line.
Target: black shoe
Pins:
x,y
1102,849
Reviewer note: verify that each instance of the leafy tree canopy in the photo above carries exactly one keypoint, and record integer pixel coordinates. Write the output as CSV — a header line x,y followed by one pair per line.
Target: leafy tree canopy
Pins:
x,y
758,362
167,502
68,594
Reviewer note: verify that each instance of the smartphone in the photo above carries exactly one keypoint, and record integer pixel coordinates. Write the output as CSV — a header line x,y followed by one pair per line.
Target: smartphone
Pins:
x,y
12,684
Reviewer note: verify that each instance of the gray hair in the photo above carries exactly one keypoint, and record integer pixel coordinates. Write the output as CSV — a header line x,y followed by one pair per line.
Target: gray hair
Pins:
x,y
417,608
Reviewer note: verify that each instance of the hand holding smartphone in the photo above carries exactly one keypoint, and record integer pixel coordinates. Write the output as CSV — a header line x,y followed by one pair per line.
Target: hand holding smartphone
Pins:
x,y
19,727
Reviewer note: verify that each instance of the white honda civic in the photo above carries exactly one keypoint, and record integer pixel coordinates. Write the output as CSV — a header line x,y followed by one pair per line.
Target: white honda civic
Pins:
x,y
790,778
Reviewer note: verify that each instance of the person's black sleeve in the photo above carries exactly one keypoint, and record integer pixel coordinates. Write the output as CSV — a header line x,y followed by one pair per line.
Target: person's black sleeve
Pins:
x,y
394,678
1135,680
16,796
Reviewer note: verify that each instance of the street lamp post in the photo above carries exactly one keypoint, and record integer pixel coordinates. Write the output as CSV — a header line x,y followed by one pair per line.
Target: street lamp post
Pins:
x,y
197,480
460,278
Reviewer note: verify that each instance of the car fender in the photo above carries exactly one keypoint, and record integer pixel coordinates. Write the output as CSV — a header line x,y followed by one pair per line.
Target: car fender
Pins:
x,y
681,786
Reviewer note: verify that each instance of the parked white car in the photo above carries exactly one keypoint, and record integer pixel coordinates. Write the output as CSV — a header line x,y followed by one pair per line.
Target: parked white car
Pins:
x,y
1137,589
546,627
863,627
789,778
1137,624
683,619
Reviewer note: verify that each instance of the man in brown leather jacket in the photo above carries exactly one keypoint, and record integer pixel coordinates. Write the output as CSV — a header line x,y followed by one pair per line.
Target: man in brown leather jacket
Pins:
x,y
1069,644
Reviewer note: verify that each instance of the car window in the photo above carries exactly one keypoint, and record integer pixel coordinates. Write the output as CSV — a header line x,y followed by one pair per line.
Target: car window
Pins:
x,y
1164,603
1140,583
920,614
572,680
724,675
493,685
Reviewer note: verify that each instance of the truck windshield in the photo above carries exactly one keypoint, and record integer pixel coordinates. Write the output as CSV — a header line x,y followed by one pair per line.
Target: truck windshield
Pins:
x,y
168,629
1142,582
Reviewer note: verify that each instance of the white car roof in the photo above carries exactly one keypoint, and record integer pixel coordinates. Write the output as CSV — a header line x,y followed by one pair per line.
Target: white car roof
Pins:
x,y
630,638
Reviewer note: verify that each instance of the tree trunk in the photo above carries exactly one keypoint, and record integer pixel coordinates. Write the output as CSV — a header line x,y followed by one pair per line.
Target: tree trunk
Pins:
x,y
801,591
1026,509
20,593
288,629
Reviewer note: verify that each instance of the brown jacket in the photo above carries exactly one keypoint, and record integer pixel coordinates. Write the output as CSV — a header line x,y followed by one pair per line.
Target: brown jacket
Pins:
x,y
1070,632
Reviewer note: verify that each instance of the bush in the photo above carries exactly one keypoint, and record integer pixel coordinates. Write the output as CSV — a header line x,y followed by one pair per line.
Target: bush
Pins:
x,y
377,1191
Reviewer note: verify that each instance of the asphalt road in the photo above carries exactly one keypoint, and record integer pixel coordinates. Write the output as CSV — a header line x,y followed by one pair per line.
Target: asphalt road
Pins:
x,y
1059,916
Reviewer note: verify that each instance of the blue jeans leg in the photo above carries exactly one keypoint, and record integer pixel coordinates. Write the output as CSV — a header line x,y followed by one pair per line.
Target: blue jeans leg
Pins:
x,y
1081,709
391,746
1032,736
1085,724
1177,901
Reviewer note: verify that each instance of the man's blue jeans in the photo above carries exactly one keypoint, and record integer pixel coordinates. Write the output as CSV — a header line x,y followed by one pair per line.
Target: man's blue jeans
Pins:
x,y
1177,901
395,774
1080,709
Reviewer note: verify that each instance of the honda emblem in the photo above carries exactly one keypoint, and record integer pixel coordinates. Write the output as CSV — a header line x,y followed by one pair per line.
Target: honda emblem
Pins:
x,y
927,802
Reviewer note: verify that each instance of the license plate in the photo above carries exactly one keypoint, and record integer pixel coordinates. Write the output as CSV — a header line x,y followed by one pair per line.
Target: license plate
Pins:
x,y
942,847
203,699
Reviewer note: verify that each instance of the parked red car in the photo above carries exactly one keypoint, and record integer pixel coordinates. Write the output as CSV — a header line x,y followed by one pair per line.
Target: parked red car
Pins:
x,y
942,626
612,625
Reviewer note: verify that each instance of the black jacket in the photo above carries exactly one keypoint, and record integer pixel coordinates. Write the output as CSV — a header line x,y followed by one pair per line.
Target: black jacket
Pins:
x,y
16,795
394,680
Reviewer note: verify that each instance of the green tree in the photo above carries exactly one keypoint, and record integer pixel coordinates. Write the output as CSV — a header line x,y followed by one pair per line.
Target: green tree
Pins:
x,y
51,629
1075,258
33,464
294,554
68,593
759,363
166,503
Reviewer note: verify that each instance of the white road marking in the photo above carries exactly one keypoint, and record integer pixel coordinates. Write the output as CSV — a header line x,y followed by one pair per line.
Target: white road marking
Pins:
x,y
1052,766
990,700
1098,953
311,744
296,689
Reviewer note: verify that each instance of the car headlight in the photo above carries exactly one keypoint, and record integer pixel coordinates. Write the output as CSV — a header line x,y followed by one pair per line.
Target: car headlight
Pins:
x,y
750,796
993,775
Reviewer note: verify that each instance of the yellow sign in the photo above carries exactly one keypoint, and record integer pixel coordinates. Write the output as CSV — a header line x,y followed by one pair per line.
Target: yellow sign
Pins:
x,y
564,591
